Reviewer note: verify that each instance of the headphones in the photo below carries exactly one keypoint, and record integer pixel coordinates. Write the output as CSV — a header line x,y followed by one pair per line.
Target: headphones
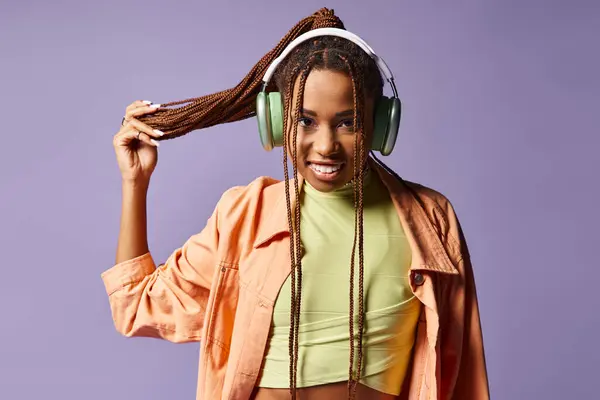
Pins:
x,y
269,106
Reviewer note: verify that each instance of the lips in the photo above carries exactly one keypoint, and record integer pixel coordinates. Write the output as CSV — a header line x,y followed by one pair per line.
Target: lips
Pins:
x,y
326,171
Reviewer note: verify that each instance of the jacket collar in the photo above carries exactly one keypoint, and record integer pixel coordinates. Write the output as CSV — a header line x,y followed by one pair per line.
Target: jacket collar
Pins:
x,y
428,251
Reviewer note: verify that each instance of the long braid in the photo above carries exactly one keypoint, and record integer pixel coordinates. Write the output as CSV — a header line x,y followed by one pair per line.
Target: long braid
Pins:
x,y
233,104
294,224
351,385
358,187
287,107
360,212
359,206
295,312
351,376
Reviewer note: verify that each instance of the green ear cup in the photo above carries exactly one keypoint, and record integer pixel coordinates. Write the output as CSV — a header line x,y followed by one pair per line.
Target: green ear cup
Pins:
x,y
269,114
395,110
380,125
276,117
387,122
264,130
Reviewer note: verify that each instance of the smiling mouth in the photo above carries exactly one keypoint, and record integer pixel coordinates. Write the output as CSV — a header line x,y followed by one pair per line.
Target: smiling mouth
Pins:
x,y
326,172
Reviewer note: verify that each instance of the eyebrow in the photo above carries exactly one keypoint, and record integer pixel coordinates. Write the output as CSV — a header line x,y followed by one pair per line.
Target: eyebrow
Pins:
x,y
314,114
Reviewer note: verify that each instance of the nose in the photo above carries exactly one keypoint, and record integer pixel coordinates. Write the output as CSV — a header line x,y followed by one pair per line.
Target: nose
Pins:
x,y
325,142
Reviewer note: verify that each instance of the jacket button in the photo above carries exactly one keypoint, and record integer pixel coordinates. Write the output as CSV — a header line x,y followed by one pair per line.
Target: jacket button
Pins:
x,y
418,279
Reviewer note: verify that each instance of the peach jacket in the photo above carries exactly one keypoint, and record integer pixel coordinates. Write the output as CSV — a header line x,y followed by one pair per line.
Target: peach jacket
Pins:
x,y
219,288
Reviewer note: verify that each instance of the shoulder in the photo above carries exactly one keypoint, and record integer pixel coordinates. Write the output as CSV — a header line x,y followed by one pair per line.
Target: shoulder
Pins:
x,y
247,200
244,214
429,196
441,213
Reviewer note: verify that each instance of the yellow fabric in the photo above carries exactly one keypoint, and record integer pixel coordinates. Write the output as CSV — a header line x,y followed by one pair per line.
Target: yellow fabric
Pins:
x,y
327,234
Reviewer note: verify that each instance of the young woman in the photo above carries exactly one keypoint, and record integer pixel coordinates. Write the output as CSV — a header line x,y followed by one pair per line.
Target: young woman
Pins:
x,y
344,281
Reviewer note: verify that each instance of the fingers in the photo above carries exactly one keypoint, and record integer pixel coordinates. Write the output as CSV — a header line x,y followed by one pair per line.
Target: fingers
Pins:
x,y
142,137
139,111
138,103
140,126
139,108
133,129
129,134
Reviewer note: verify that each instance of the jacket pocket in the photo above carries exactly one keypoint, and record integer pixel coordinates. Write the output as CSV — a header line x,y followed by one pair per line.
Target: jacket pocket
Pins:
x,y
223,310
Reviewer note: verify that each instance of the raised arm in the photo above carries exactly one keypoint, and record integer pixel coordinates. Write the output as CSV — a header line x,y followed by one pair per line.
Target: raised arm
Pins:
x,y
166,302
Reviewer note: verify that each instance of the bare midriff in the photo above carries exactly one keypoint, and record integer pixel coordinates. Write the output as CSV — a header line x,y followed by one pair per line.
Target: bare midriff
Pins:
x,y
332,391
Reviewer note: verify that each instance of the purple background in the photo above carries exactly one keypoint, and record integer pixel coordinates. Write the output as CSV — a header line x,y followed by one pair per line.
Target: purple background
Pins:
x,y
499,101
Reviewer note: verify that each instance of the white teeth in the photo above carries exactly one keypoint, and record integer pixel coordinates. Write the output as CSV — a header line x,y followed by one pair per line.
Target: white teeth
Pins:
x,y
325,169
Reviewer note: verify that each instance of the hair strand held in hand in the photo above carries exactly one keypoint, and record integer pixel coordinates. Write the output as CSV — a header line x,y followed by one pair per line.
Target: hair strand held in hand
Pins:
x,y
234,104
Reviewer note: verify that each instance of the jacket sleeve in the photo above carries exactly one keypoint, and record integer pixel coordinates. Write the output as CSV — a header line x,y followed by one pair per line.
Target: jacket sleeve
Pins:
x,y
167,302
463,364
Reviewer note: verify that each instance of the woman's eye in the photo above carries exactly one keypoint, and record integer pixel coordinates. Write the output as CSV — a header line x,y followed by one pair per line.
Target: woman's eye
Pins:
x,y
305,122
348,124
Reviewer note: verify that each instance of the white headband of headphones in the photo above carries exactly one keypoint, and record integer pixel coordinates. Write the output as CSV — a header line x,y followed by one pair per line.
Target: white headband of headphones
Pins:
x,y
331,32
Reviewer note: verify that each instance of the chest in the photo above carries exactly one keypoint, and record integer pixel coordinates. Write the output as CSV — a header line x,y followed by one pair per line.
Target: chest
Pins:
x,y
327,237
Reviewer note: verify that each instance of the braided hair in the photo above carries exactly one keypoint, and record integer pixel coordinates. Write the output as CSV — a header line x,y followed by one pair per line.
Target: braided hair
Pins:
x,y
238,103
233,104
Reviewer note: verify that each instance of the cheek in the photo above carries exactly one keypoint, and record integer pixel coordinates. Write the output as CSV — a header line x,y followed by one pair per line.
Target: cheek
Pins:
x,y
347,143
302,147
365,138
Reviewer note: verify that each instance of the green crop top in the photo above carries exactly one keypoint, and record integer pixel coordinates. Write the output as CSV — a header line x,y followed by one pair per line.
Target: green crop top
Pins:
x,y
392,311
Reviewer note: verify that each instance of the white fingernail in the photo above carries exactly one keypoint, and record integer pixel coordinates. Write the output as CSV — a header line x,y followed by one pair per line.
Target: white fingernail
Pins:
x,y
155,106
147,102
155,142
159,133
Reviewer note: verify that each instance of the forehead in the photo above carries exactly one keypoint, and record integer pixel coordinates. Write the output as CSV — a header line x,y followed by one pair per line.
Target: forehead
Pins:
x,y
326,89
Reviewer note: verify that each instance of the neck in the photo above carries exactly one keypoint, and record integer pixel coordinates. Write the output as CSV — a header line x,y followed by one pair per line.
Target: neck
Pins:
x,y
365,172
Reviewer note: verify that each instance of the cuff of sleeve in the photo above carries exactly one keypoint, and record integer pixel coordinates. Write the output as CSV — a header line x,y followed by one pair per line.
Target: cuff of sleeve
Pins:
x,y
128,272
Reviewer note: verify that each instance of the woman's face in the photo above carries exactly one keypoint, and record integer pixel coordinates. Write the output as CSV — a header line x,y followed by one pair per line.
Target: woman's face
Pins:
x,y
325,141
